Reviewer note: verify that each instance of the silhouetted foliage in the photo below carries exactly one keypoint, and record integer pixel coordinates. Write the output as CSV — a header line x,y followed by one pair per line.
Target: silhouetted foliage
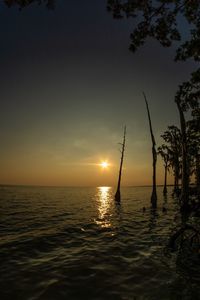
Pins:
x,y
172,138
193,140
173,147
159,19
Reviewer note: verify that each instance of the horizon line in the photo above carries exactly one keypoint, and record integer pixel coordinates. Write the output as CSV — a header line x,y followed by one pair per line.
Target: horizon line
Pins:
x,y
75,186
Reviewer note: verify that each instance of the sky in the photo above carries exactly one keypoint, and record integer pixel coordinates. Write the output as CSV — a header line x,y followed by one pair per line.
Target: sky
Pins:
x,y
68,86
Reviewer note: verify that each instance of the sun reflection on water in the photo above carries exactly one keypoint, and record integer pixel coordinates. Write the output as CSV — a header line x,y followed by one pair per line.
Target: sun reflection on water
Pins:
x,y
104,198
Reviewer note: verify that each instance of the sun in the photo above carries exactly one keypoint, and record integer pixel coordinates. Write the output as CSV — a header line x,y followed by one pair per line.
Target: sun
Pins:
x,y
104,164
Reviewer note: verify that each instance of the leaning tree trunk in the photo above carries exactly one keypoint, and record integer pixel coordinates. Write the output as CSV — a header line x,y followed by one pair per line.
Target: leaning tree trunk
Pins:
x,y
154,156
176,185
176,177
165,182
185,172
118,193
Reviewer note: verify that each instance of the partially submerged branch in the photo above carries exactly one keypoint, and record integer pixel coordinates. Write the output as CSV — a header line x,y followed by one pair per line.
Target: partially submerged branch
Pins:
x,y
179,234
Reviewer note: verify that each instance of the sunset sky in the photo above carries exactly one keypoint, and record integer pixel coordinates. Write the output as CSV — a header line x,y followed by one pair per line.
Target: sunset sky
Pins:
x,y
68,86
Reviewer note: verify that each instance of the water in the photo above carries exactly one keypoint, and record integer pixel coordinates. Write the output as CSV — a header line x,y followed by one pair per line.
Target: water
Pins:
x,y
76,243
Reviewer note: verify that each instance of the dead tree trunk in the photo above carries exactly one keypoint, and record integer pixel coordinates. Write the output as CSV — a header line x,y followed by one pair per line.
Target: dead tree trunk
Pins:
x,y
118,193
154,155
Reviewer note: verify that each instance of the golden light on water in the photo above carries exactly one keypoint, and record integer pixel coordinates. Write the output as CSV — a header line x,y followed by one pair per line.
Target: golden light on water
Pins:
x,y
104,201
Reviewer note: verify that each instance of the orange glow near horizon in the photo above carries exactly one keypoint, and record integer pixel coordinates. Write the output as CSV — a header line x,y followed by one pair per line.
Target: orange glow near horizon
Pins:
x,y
44,169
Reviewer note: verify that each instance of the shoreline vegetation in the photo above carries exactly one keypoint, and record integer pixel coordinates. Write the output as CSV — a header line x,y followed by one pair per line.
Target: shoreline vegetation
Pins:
x,y
180,150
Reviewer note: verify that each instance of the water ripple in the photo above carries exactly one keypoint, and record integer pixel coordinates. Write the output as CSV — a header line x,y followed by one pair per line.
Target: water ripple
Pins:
x,y
67,243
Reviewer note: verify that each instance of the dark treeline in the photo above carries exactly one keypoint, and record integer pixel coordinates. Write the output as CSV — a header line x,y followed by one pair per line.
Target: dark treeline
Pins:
x,y
171,153
180,150
158,20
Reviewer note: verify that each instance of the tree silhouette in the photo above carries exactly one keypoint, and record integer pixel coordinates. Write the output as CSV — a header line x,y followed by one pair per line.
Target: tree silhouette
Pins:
x,y
154,157
193,140
187,98
118,193
173,145
159,19
172,138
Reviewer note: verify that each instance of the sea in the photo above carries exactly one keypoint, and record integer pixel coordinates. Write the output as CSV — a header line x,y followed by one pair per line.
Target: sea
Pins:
x,y
77,243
